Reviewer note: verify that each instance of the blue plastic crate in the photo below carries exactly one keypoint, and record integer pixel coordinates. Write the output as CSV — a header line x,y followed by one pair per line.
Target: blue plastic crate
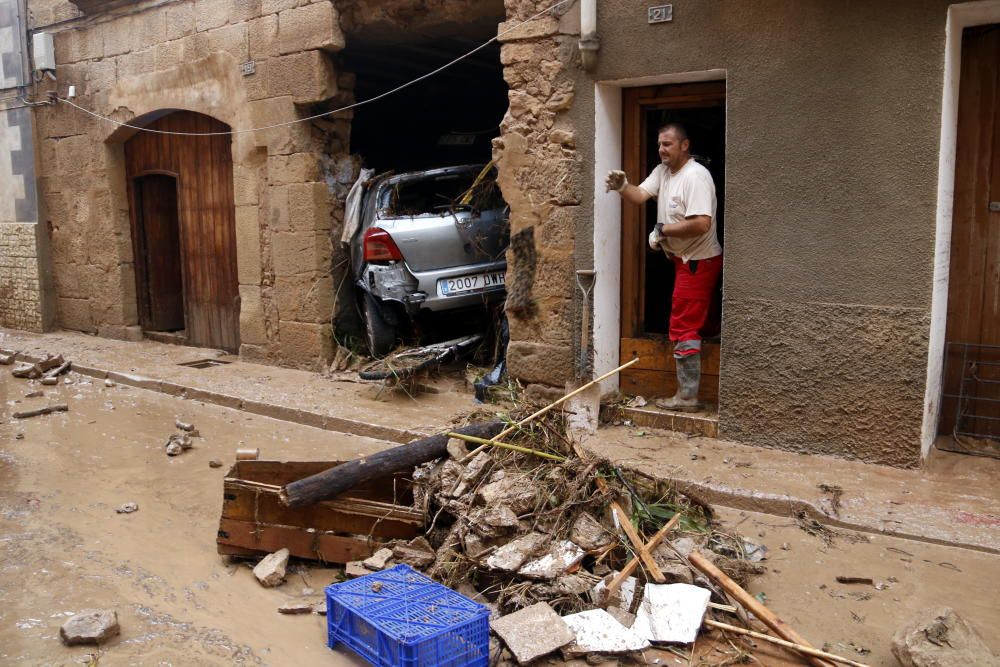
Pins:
x,y
408,620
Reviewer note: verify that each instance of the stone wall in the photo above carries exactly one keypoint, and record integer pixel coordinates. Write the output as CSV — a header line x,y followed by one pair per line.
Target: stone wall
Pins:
x,y
541,175
288,180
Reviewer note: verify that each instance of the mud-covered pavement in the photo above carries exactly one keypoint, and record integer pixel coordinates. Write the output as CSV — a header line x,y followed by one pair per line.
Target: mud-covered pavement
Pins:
x,y
63,548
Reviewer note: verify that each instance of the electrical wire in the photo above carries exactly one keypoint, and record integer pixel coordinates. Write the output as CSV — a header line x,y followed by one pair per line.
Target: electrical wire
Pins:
x,y
325,113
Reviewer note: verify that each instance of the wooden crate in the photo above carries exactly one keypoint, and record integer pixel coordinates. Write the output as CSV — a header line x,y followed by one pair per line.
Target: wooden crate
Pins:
x,y
349,527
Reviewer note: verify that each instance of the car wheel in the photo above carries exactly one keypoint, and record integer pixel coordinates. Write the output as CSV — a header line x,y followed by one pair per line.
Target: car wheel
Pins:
x,y
379,334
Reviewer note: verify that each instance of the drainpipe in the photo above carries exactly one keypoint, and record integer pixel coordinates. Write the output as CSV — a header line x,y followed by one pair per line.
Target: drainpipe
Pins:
x,y
589,42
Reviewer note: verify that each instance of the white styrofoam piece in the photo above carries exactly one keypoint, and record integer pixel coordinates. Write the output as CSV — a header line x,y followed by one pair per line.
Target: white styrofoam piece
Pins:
x,y
597,631
671,612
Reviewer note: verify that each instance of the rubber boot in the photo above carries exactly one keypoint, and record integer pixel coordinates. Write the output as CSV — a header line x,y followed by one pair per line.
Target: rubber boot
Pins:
x,y
688,379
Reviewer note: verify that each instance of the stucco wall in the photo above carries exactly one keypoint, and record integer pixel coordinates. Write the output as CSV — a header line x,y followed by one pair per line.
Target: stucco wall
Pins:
x,y
833,122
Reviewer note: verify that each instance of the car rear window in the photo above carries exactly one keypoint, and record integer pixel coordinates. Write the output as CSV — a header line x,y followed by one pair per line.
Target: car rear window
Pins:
x,y
440,194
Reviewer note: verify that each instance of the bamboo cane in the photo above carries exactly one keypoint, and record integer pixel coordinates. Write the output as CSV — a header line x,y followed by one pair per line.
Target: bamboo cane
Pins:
x,y
751,604
808,650
548,407
504,445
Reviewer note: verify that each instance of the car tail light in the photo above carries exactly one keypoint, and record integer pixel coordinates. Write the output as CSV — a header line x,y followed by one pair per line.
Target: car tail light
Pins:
x,y
379,246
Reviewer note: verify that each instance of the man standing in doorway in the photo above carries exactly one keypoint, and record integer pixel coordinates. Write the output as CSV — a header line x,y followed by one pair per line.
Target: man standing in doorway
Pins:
x,y
685,230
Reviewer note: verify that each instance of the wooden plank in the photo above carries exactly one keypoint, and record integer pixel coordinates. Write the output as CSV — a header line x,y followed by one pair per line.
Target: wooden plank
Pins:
x,y
633,564
266,538
659,384
656,354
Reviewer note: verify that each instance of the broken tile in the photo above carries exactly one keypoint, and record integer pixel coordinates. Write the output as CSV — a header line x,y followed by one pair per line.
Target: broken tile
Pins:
x,y
515,491
624,596
416,553
533,632
597,631
561,556
671,612
355,569
296,608
511,556
477,466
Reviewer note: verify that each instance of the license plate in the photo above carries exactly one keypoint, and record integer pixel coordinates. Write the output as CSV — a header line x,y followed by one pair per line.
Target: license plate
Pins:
x,y
479,282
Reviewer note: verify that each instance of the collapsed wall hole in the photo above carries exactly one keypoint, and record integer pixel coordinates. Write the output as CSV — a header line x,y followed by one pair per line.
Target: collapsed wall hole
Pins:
x,y
446,120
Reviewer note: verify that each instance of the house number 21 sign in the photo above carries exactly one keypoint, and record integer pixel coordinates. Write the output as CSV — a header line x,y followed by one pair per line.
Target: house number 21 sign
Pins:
x,y
661,13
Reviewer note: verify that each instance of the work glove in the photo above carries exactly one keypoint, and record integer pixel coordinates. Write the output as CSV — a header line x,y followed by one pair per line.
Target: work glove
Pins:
x,y
615,181
656,236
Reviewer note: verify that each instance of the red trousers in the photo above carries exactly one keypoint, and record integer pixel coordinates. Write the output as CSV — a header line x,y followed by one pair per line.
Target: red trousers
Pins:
x,y
694,286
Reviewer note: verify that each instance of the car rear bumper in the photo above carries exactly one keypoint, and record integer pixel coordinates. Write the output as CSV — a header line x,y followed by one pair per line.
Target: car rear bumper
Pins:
x,y
418,291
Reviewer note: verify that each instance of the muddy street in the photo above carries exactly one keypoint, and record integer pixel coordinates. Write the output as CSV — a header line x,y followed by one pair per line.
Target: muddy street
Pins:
x,y
64,548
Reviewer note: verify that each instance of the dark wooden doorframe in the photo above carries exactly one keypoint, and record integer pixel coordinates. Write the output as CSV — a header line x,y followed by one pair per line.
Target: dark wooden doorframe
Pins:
x,y
971,385
655,374
158,242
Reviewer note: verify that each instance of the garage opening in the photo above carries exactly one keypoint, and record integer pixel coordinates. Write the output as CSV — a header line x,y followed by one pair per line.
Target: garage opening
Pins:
x,y
428,254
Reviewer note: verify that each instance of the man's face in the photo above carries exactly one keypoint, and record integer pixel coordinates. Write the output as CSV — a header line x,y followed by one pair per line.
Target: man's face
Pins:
x,y
672,151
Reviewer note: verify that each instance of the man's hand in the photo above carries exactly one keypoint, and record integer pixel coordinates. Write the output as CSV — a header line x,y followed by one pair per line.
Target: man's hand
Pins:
x,y
616,181
656,236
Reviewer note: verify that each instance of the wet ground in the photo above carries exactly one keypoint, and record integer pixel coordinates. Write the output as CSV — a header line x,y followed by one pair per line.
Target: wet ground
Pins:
x,y
63,548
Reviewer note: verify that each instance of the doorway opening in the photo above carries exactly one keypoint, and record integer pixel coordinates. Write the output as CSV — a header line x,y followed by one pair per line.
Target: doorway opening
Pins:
x,y
183,218
970,406
647,277
158,237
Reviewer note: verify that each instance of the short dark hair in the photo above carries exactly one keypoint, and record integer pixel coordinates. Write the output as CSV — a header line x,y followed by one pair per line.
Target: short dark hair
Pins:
x,y
678,129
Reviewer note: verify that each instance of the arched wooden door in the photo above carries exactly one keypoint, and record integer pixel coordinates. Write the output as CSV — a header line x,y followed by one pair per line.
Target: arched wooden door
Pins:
x,y
184,229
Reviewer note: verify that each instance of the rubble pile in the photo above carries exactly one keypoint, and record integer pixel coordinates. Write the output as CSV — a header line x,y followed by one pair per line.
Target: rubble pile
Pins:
x,y
516,529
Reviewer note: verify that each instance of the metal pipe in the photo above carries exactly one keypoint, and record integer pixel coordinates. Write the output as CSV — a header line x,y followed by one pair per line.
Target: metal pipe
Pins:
x,y
589,42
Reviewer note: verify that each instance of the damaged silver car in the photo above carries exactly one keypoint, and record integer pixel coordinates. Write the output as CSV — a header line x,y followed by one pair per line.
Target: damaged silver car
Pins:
x,y
427,241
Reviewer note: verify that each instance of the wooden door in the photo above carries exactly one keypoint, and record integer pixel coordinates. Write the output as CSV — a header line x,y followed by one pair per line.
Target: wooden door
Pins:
x,y
158,228
971,408
203,168
647,276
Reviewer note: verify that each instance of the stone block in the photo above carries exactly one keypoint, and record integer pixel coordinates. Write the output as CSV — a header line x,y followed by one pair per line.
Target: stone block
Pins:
x,y
179,18
252,324
91,626
78,153
131,333
256,84
294,168
136,63
300,252
79,44
101,75
284,140
277,208
248,245
315,26
75,314
275,6
304,297
148,29
117,36
230,39
545,26
271,570
263,37
540,362
245,186
210,14
533,632
74,281
309,206
305,345
307,77
243,10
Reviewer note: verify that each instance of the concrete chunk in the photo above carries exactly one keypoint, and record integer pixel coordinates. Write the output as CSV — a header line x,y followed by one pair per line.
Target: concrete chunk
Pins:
x,y
533,632
671,612
561,557
589,533
597,631
91,626
355,569
416,553
940,638
270,571
511,556
378,560
296,608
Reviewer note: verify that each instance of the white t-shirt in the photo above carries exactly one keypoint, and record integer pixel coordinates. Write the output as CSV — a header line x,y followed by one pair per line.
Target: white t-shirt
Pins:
x,y
689,192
